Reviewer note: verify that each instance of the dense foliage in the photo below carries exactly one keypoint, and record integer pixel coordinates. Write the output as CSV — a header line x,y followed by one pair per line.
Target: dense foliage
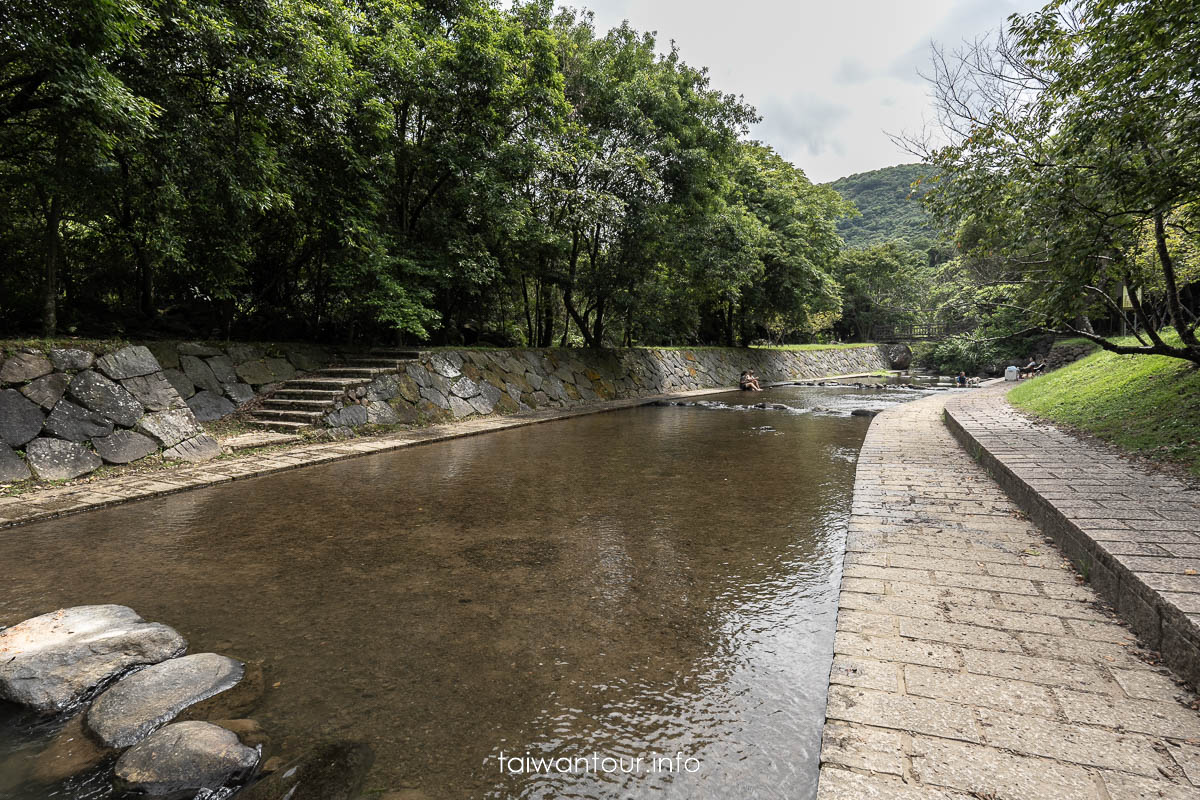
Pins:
x,y
1072,173
889,206
370,169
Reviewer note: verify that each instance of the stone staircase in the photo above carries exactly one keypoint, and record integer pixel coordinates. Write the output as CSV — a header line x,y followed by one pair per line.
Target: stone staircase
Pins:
x,y
302,402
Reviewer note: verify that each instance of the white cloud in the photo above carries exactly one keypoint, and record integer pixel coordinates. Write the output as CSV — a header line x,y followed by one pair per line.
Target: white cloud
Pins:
x,y
829,78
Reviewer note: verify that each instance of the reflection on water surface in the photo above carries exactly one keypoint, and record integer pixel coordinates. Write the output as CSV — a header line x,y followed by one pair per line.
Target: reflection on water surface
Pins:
x,y
657,582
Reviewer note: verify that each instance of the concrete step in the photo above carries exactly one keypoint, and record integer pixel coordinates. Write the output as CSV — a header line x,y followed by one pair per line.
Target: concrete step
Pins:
x,y
323,382
282,415
293,404
388,364
394,352
307,394
351,372
282,426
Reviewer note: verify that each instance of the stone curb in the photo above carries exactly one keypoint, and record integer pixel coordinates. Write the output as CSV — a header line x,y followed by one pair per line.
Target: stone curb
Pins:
x,y
1158,621
120,489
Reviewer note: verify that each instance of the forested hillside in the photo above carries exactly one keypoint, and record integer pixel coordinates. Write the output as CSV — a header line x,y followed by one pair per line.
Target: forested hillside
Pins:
x,y
379,169
890,206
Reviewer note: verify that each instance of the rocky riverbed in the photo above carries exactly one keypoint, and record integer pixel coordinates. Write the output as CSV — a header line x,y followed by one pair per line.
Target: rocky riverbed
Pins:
x,y
100,703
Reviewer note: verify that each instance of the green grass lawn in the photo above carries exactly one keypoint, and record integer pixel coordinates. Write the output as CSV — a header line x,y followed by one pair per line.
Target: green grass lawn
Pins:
x,y
1149,405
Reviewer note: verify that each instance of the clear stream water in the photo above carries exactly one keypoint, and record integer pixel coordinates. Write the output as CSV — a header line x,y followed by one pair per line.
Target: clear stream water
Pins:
x,y
659,582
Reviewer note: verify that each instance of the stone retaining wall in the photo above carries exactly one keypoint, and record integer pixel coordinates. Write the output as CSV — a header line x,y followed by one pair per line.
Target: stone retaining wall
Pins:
x,y
446,385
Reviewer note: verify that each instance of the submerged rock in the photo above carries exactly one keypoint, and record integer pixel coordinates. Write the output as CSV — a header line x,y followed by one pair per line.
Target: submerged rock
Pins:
x,y
330,771
863,412
184,758
56,460
50,662
71,752
133,707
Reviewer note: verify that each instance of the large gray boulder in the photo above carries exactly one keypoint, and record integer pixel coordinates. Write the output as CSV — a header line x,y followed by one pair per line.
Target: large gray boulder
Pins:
x,y
899,356
185,759
239,393
222,367
256,373
51,662
153,391
165,353
200,373
20,418
460,408
197,448
70,359
122,447
47,390
97,393
75,423
350,416
330,771
244,352
59,460
128,362
130,709
22,367
380,413
197,349
12,467
182,383
169,428
208,406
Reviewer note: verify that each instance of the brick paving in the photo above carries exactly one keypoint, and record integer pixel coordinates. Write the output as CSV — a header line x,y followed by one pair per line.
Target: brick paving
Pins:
x,y
1135,534
970,663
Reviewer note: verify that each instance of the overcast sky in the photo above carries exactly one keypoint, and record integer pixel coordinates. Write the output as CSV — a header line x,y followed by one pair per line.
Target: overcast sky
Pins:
x,y
829,77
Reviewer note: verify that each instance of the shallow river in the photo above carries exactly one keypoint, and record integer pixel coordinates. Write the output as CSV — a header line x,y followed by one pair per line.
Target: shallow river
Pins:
x,y
655,583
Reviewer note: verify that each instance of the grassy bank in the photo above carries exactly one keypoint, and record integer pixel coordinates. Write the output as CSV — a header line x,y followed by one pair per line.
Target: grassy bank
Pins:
x,y
1149,405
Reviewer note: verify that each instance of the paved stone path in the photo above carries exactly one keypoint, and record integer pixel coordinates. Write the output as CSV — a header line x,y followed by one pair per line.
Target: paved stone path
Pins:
x,y
970,663
1135,534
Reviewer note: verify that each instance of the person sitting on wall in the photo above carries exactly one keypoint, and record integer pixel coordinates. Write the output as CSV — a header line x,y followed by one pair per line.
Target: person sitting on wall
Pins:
x,y
961,380
749,383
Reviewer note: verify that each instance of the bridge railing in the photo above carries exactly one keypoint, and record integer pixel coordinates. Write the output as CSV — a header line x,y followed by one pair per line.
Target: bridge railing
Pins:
x,y
915,331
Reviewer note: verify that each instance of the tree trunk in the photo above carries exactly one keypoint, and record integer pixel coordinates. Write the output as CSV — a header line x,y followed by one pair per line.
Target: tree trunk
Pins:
x,y
53,255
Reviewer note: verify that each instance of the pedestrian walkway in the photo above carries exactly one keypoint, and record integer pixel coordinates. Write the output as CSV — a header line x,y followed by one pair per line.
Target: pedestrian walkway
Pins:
x,y
1136,535
971,663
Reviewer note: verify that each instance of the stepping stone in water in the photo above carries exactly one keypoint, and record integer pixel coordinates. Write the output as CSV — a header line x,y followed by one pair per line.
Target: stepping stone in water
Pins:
x,y
129,710
184,758
50,662
330,771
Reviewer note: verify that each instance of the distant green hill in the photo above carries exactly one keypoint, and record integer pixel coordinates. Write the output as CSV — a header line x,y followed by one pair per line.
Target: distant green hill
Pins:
x,y
890,208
